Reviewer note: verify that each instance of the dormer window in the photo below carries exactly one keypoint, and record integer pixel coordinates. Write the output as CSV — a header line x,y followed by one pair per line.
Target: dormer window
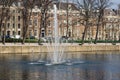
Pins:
x,y
36,8
13,11
69,7
19,4
13,5
110,13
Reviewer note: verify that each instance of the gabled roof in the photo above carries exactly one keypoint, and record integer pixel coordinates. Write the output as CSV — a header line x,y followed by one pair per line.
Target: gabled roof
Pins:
x,y
62,5
112,12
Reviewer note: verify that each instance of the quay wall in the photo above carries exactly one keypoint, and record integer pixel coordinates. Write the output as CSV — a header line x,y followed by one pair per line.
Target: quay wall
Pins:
x,y
42,48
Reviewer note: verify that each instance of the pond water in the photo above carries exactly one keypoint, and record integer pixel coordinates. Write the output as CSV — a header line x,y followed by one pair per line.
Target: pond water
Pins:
x,y
95,66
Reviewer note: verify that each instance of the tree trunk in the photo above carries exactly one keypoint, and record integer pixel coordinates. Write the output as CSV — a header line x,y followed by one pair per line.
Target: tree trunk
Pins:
x,y
67,21
26,19
41,26
40,31
96,37
3,38
84,33
1,20
24,29
45,24
4,32
97,30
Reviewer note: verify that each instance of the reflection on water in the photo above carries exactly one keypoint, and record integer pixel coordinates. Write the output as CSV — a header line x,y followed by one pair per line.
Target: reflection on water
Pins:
x,y
95,67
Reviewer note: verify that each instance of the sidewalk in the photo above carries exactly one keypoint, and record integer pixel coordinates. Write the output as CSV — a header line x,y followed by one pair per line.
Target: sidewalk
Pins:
x,y
44,44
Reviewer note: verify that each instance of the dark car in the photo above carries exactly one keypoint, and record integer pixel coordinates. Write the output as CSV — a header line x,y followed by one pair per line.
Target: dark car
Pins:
x,y
7,37
32,37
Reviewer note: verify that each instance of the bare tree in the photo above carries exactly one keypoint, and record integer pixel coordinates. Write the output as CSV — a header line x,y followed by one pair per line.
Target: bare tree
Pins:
x,y
118,6
4,16
86,8
118,13
44,7
67,11
101,5
32,4
26,15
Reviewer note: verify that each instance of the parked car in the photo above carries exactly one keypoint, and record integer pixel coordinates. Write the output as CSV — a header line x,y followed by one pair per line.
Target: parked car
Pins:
x,y
6,37
32,37
16,36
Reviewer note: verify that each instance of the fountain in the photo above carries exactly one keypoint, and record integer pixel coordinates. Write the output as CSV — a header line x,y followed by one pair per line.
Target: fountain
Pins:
x,y
55,45
55,55
56,48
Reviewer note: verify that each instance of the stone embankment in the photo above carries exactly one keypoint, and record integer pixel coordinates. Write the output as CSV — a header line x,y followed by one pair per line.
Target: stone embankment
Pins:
x,y
28,48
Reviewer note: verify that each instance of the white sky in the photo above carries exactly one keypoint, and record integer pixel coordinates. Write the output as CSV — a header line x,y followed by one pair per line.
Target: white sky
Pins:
x,y
115,3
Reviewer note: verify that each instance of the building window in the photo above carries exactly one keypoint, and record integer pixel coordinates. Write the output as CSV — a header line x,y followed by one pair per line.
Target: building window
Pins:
x,y
19,26
18,18
35,14
35,33
49,32
8,25
30,32
13,11
43,33
35,22
13,25
30,22
13,32
18,11
8,33
3,24
8,18
18,32
49,23
13,18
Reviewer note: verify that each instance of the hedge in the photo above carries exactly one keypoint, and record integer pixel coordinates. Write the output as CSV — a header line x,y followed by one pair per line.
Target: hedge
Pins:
x,y
20,40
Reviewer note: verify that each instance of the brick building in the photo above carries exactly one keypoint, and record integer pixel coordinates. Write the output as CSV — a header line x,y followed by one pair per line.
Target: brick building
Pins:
x,y
110,30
